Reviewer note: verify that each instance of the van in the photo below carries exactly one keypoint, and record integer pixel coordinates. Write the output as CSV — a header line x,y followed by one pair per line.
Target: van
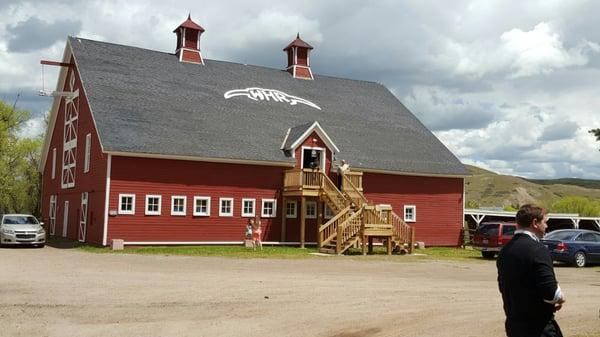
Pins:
x,y
490,237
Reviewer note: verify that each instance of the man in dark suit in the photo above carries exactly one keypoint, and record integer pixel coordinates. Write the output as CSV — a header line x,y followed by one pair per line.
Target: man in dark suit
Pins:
x,y
526,279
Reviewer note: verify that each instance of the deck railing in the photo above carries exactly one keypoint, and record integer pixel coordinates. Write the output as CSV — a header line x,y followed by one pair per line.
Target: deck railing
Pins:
x,y
329,230
353,192
355,178
348,229
403,232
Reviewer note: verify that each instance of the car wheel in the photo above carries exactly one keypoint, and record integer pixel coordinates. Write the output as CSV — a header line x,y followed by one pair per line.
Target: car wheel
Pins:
x,y
488,255
580,259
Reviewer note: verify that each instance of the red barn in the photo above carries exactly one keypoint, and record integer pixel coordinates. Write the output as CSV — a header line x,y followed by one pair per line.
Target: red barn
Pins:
x,y
160,148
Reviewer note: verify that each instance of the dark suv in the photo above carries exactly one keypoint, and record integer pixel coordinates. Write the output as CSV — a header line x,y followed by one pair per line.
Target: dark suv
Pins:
x,y
491,236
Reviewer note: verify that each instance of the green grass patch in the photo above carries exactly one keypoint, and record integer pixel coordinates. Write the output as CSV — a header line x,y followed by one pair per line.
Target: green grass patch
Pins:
x,y
432,253
281,252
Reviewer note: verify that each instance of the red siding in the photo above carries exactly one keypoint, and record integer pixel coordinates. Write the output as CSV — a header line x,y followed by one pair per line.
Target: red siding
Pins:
x,y
302,72
93,182
163,177
191,56
438,201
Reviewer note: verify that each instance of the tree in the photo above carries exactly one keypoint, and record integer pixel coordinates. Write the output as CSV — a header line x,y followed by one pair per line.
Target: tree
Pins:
x,y
596,132
19,158
579,205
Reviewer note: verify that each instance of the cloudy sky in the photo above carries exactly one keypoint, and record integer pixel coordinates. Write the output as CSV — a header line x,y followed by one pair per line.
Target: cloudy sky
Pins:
x,y
511,86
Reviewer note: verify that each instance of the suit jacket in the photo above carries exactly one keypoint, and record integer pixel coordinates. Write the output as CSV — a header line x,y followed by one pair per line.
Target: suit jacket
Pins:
x,y
526,278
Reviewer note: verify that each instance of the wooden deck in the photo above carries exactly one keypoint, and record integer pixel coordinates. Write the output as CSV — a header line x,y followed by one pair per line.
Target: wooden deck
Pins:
x,y
355,220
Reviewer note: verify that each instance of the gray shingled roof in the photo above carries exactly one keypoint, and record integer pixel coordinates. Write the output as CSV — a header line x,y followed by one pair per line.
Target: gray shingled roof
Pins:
x,y
295,133
146,101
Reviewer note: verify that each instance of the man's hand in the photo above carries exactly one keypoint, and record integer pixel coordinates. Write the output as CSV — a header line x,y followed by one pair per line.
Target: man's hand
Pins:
x,y
558,305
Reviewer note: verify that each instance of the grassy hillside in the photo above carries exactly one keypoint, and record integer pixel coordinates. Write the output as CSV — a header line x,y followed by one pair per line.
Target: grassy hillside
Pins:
x,y
489,189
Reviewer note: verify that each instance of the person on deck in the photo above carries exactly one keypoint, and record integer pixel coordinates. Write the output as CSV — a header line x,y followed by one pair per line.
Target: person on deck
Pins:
x,y
342,169
526,279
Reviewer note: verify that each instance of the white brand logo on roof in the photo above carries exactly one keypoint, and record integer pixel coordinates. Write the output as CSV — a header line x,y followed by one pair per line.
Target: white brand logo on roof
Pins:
x,y
260,94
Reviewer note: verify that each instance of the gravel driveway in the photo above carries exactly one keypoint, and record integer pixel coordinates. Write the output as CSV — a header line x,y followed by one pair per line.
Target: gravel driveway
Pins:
x,y
66,292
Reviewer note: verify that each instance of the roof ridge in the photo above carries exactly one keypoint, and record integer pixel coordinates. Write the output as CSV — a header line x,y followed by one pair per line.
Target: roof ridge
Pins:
x,y
221,61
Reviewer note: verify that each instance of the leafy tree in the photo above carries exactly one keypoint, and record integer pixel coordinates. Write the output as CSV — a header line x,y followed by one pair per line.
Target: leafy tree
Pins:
x,y
472,204
596,132
580,205
19,158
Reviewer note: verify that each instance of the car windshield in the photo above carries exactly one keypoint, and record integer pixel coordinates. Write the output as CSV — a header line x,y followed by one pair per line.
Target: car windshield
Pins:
x,y
19,220
488,229
560,235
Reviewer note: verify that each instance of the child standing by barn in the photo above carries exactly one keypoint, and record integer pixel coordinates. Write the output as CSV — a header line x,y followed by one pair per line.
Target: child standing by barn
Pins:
x,y
256,233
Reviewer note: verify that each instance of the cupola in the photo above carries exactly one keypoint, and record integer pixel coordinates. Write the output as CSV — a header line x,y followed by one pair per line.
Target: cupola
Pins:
x,y
298,59
188,41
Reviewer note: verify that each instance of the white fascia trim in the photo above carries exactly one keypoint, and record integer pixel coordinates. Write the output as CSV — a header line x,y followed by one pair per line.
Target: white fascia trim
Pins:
x,y
89,105
316,127
54,109
287,134
151,243
402,173
204,159
106,200
249,215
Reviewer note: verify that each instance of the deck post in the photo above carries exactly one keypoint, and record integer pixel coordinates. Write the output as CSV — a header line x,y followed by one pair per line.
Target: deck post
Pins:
x,y
283,218
303,222
389,245
320,210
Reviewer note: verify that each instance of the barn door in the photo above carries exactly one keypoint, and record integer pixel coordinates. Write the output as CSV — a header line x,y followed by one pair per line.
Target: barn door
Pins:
x,y
83,217
65,219
52,215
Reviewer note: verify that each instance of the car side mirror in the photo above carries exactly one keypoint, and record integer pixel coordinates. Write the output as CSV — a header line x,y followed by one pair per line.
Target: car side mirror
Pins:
x,y
42,224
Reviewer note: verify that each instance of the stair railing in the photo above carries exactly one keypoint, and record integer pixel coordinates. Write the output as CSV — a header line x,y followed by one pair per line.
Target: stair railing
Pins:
x,y
348,229
329,230
330,190
403,232
357,196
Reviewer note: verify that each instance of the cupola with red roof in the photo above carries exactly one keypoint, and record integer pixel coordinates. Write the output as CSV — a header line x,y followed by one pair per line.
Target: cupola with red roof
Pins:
x,y
298,59
188,41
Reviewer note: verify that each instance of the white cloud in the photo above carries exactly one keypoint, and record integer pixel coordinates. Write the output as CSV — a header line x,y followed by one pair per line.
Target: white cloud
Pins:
x,y
34,127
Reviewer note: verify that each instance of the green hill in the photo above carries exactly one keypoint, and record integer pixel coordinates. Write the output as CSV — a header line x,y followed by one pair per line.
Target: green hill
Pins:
x,y
489,189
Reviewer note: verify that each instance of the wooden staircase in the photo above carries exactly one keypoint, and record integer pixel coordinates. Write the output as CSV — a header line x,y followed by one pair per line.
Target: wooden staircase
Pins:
x,y
356,221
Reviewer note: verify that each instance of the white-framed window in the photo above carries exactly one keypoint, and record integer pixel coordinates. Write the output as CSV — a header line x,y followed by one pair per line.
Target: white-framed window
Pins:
x,y
269,208
201,206
178,203
126,203
290,209
311,210
225,206
410,213
53,163
248,207
153,203
88,149
328,213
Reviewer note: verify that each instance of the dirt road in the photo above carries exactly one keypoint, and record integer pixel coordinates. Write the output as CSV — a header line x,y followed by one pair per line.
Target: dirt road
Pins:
x,y
64,292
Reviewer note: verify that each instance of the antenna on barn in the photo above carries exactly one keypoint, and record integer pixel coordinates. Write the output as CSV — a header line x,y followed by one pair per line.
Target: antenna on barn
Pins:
x,y
47,93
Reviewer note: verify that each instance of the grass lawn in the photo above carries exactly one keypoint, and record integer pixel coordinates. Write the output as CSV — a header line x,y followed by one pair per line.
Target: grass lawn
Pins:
x,y
280,252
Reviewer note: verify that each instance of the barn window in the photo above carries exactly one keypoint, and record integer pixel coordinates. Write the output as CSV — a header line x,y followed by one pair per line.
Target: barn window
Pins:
x,y
269,208
178,205
126,203
201,206
290,209
328,212
88,149
53,163
311,210
410,213
153,204
248,207
226,207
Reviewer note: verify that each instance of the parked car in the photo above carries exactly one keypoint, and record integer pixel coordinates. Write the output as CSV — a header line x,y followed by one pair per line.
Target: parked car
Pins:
x,y
21,229
491,236
574,246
